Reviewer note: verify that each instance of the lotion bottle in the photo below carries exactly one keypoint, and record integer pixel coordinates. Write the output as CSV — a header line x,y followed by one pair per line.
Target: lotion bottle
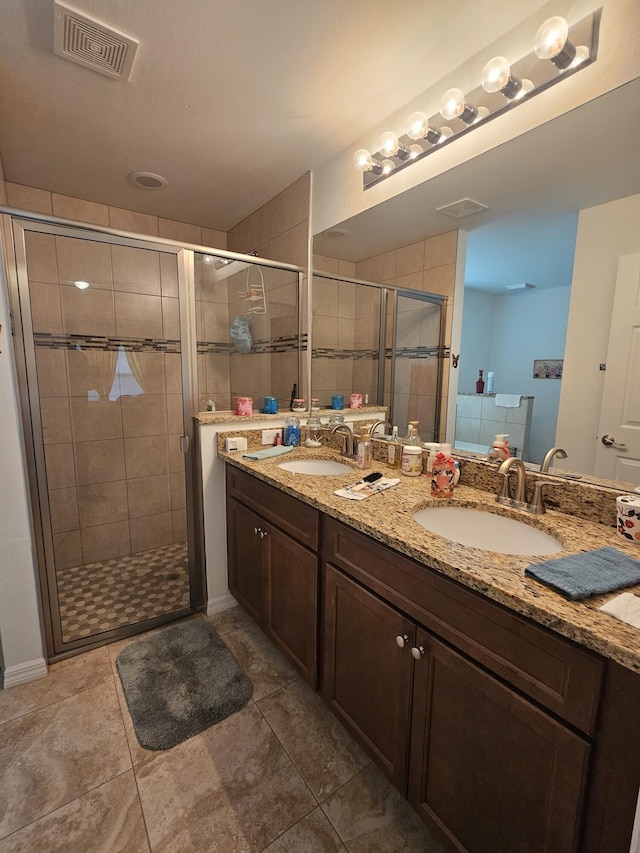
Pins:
x,y
394,450
365,451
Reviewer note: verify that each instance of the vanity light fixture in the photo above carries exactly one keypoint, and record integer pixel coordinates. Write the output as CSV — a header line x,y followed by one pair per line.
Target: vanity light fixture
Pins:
x,y
503,85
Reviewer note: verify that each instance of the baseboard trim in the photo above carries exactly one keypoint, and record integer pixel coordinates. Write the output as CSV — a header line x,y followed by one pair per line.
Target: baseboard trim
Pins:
x,y
21,673
222,602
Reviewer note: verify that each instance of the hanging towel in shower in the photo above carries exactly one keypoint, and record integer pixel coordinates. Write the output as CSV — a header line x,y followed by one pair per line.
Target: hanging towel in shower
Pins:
x,y
241,335
508,401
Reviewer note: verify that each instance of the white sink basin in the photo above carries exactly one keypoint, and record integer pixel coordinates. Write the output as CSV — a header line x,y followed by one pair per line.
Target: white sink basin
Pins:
x,y
317,467
487,531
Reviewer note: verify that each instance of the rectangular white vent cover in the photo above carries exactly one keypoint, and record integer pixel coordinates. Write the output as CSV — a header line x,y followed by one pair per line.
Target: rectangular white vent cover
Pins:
x,y
87,41
462,208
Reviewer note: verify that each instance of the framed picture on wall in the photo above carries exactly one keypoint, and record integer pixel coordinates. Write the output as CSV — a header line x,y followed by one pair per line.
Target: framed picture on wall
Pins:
x,y
547,368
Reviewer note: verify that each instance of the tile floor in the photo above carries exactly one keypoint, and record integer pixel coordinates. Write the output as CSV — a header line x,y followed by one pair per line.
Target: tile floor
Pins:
x,y
280,776
102,596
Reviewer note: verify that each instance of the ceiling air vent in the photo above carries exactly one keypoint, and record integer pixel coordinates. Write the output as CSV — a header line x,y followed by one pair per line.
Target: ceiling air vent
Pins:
x,y
92,43
462,208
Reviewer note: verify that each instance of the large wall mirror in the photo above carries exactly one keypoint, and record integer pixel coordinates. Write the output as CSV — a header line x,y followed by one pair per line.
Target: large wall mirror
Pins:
x,y
563,207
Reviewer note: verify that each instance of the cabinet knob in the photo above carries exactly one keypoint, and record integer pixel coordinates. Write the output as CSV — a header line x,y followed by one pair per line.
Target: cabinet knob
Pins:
x,y
417,652
257,530
263,533
402,641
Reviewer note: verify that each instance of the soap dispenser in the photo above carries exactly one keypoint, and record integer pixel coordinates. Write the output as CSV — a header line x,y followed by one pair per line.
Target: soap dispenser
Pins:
x,y
364,451
499,450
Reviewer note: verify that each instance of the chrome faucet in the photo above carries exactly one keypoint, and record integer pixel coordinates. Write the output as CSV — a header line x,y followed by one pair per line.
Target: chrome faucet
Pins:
x,y
546,462
349,444
519,499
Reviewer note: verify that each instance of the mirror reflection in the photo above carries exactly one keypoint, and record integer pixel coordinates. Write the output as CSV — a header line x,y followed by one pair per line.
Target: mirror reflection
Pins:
x,y
561,216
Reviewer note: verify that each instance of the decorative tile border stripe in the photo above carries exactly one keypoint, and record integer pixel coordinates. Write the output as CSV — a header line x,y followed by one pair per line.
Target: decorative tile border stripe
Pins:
x,y
400,352
106,343
326,352
288,343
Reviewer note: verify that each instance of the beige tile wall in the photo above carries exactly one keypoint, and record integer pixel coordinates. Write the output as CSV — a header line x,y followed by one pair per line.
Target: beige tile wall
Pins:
x,y
279,230
67,207
115,475
428,266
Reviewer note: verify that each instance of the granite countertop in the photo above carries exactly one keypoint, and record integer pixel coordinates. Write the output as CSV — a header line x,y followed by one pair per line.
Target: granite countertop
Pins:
x,y
388,518
230,417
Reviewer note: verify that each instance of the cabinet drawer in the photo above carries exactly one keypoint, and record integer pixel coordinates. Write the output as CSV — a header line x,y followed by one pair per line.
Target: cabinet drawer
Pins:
x,y
289,514
555,672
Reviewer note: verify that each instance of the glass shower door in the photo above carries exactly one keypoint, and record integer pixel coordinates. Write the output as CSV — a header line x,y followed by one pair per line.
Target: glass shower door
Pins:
x,y
417,359
102,322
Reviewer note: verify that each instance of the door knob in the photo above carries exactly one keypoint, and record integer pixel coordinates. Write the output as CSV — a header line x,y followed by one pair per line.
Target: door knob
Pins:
x,y
609,441
417,652
402,641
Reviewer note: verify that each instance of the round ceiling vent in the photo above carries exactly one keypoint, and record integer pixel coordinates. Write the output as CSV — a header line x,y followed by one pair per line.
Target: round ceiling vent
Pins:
x,y
335,233
147,180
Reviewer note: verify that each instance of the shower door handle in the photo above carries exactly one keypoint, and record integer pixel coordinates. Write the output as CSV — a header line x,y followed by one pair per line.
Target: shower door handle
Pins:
x,y
185,444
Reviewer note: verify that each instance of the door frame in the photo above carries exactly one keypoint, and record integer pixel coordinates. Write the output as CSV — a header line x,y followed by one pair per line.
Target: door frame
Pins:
x,y
12,229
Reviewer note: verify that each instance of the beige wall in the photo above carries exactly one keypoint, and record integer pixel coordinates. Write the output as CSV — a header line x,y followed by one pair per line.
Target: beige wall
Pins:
x,y
279,230
115,475
428,266
604,233
67,207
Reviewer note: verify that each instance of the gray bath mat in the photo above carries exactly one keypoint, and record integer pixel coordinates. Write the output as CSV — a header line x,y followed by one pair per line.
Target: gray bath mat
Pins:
x,y
178,682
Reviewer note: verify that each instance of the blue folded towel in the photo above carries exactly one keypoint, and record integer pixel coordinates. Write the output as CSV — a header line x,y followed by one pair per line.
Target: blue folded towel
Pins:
x,y
266,454
588,573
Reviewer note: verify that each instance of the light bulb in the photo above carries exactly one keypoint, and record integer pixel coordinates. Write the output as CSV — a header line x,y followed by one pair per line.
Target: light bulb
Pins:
x,y
363,160
453,105
418,126
551,42
81,285
496,74
387,167
415,150
497,77
445,133
207,259
389,144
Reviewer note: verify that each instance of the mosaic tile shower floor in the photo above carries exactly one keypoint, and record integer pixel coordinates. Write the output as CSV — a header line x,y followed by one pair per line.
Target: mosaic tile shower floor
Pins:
x,y
102,596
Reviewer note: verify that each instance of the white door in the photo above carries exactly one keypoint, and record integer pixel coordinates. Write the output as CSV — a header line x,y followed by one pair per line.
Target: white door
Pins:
x,y
618,456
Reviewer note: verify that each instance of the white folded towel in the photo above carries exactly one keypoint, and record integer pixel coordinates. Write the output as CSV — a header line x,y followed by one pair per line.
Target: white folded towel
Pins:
x,y
508,401
625,607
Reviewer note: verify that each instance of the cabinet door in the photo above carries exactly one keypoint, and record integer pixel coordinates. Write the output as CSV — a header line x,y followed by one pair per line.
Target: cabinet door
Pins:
x,y
244,551
489,768
291,604
367,676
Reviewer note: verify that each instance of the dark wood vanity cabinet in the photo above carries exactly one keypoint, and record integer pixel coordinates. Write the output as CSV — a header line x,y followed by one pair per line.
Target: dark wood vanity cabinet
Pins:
x,y
272,543
477,754
502,734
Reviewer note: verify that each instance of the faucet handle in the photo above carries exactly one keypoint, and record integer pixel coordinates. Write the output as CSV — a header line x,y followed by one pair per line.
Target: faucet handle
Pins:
x,y
536,504
504,494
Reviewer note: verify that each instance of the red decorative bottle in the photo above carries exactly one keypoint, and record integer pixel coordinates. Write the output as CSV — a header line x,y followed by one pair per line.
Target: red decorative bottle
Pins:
x,y
480,384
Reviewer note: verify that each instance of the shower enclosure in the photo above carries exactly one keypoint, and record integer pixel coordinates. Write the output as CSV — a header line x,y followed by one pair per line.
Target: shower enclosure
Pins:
x,y
119,341
384,342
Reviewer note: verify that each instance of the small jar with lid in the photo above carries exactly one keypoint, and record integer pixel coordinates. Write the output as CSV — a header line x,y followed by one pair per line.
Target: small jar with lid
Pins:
x,y
336,418
292,432
314,432
299,405
412,460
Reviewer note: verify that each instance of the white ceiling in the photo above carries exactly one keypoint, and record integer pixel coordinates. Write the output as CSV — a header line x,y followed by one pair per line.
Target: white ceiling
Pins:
x,y
230,100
